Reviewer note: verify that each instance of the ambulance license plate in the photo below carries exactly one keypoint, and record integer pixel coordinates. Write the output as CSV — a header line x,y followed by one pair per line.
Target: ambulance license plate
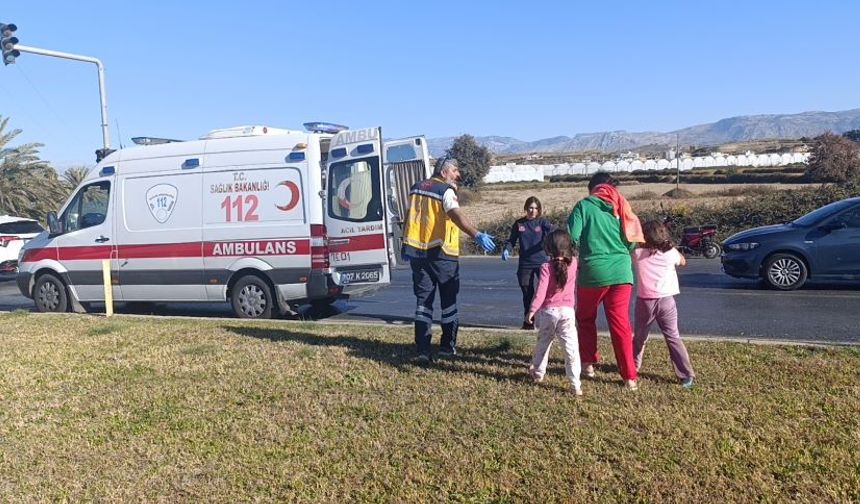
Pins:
x,y
359,276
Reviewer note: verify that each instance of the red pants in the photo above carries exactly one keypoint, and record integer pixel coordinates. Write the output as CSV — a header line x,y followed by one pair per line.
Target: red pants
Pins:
x,y
616,304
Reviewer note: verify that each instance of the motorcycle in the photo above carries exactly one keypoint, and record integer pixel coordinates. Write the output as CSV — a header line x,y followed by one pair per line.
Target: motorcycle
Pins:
x,y
696,240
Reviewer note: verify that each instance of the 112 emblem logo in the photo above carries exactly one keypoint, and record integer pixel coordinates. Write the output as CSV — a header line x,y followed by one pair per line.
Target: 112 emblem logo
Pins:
x,y
161,200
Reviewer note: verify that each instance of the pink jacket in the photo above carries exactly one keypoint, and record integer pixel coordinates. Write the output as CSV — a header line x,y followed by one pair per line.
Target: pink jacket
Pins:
x,y
548,293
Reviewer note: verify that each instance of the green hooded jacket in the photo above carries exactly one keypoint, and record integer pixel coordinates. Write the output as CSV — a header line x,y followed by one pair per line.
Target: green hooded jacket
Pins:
x,y
604,252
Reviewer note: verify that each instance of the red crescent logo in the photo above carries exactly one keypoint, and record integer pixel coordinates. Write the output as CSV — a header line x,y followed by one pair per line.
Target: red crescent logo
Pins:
x,y
294,196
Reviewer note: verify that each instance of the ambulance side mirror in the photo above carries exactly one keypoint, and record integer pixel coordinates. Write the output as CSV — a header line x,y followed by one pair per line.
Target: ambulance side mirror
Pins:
x,y
54,226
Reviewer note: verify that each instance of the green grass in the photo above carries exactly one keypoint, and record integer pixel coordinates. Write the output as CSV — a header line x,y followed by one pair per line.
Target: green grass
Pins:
x,y
138,409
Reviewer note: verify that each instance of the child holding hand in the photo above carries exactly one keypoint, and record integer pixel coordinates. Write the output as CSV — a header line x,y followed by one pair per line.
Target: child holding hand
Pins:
x,y
552,310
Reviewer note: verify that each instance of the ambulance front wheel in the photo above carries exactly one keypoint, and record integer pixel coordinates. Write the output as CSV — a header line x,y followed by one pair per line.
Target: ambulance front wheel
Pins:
x,y
252,298
50,294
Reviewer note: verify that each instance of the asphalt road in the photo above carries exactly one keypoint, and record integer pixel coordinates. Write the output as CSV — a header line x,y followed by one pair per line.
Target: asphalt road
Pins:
x,y
711,304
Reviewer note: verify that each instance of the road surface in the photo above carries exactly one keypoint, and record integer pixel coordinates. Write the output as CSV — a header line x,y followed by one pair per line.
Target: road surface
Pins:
x,y
710,304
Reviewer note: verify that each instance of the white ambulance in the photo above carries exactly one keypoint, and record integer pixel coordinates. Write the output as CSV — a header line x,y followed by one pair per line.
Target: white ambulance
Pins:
x,y
263,218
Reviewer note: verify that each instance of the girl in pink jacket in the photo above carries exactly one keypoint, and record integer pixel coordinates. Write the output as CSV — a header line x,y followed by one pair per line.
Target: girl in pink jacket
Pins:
x,y
552,310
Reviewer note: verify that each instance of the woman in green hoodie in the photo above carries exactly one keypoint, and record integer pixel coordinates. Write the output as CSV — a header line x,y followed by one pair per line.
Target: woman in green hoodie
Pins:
x,y
597,228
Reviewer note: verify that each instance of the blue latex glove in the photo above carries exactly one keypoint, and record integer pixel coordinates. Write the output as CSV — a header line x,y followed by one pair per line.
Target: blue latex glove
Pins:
x,y
506,254
485,241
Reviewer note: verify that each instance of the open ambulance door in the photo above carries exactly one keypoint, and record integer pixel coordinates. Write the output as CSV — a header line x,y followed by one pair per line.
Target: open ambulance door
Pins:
x,y
406,161
355,213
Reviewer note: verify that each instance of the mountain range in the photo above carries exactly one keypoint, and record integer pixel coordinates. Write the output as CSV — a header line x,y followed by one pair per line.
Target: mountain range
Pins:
x,y
732,129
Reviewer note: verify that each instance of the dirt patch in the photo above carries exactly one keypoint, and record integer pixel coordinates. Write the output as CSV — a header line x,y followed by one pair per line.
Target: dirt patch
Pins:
x,y
678,194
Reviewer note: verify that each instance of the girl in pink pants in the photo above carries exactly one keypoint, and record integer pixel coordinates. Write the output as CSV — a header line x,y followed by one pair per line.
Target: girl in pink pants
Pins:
x,y
553,304
657,285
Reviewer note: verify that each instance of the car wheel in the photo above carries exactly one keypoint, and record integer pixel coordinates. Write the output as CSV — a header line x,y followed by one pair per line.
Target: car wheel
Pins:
x,y
50,294
252,298
785,272
711,250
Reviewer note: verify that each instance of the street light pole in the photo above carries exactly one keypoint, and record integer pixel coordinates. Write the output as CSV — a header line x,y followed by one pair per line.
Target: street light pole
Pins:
x,y
102,93
677,162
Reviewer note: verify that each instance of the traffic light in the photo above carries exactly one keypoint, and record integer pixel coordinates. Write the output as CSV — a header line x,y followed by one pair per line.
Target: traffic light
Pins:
x,y
7,42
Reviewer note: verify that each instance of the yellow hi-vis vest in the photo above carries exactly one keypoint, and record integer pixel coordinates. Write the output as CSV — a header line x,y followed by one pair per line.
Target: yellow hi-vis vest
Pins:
x,y
428,229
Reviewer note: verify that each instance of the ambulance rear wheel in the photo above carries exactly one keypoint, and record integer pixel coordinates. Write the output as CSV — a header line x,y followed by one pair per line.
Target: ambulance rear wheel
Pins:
x,y
50,294
252,298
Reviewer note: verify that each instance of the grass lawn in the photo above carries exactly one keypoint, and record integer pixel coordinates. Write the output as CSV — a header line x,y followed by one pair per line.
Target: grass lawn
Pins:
x,y
140,409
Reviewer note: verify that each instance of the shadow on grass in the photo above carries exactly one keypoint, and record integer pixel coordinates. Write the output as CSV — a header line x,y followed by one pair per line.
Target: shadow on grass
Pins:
x,y
610,374
319,313
493,361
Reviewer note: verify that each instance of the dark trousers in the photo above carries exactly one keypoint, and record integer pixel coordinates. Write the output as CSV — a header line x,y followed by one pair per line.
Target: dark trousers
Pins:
x,y
528,277
428,275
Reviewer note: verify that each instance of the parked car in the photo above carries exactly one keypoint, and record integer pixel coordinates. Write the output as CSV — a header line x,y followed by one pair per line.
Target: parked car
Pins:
x,y
823,244
14,232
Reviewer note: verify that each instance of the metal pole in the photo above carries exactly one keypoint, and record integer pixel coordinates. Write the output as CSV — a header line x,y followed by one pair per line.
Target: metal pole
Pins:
x,y
88,59
678,162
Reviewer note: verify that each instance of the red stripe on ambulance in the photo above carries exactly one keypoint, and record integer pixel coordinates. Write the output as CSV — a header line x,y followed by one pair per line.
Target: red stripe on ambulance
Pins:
x,y
359,243
284,247
257,248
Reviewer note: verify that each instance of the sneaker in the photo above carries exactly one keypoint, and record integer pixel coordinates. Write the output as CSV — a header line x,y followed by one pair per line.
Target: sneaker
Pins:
x,y
527,327
422,359
447,353
589,371
687,383
631,385
534,375
577,392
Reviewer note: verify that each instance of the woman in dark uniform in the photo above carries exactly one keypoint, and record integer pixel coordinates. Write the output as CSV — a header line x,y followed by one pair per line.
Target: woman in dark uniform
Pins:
x,y
528,232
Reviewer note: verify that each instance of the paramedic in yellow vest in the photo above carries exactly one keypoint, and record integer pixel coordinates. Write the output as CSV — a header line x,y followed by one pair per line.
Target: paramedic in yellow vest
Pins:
x,y
431,242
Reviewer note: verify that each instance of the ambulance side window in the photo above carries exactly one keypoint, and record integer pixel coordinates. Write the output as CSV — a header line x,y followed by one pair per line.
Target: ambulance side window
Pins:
x,y
88,208
354,193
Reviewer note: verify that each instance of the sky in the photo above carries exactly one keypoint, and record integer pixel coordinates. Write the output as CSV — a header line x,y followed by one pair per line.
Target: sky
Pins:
x,y
524,69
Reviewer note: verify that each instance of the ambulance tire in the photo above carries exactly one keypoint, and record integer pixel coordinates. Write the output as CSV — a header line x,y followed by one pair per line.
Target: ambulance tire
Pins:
x,y
252,298
50,294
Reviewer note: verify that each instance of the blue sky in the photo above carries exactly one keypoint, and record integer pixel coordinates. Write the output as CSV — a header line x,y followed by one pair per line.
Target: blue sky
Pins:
x,y
528,70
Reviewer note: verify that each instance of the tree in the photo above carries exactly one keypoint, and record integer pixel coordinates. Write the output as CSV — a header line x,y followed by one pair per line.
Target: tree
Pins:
x,y
74,175
29,187
474,160
834,159
853,135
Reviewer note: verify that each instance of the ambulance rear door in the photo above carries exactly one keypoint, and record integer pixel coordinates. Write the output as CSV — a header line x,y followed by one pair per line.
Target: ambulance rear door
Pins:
x,y
406,161
355,215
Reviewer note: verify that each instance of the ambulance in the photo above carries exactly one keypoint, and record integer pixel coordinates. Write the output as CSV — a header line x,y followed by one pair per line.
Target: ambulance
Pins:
x,y
265,219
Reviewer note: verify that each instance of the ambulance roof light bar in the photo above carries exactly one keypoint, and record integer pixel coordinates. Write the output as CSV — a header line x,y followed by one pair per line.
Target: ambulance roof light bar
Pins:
x,y
152,140
324,127
246,131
